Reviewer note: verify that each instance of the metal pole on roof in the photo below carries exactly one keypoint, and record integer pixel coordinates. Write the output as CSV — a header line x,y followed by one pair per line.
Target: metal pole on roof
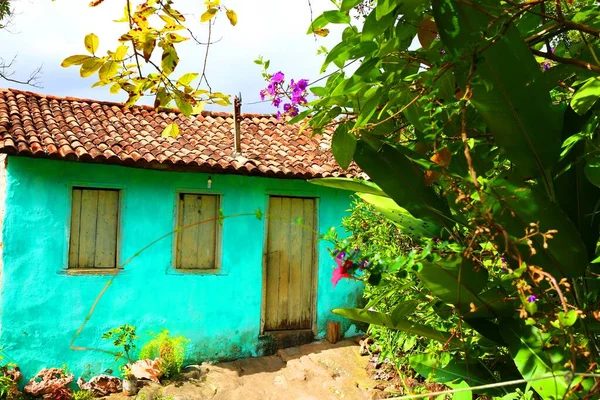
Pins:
x,y
237,118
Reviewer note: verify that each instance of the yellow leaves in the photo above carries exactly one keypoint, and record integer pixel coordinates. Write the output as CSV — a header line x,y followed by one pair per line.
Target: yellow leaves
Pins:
x,y
91,43
107,71
198,108
90,66
114,89
321,32
208,14
148,47
186,79
120,53
212,3
175,38
232,16
74,60
441,158
172,130
95,3
169,60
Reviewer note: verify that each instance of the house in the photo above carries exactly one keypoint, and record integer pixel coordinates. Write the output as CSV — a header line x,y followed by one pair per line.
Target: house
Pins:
x,y
90,184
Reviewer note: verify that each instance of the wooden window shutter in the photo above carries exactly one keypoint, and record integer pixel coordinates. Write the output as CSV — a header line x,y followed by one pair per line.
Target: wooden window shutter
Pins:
x,y
94,228
197,244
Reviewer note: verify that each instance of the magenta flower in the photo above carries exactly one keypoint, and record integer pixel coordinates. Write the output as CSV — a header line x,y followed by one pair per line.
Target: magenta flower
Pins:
x,y
278,77
302,84
271,89
262,95
532,299
338,274
277,102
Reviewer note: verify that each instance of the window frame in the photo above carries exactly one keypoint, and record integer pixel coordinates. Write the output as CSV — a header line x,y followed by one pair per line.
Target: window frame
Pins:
x,y
217,270
120,210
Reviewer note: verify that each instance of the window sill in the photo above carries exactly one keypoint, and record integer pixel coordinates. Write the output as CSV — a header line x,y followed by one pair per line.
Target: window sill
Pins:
x,y
184,272
91,271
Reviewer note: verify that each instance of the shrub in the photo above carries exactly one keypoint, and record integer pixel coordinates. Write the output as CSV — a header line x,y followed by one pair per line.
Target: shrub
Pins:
x,y
83,395
171,349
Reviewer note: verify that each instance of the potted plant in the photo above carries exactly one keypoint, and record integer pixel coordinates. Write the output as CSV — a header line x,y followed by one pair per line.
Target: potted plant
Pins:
x,y
129,381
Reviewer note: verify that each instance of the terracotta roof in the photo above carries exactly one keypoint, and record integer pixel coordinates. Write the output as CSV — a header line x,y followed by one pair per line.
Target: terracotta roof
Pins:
x,y
37,125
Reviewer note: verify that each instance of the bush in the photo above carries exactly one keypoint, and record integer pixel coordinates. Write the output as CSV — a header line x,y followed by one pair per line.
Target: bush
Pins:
x,y
171,349
83,395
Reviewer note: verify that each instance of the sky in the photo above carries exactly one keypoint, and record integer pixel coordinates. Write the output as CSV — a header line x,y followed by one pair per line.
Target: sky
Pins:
x,y
44,32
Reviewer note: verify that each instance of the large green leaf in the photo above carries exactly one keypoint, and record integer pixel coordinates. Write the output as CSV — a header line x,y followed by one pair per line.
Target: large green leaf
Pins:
x,y
516,205
454,371
351,184
404,182
575,194
377,318
586,96
506,88
417,229
343,146
459,282
534,359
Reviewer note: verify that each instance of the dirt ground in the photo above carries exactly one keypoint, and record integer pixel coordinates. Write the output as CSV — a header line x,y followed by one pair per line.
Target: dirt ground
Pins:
x,y
314,371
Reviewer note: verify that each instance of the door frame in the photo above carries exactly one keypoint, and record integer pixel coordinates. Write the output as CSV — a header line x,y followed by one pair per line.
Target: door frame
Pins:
x,y
315,261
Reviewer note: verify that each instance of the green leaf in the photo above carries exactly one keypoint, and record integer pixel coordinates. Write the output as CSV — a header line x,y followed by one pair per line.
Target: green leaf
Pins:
x,y
530,350
417,229
515,205
351,184
208,14
507,90
373,27
343,146
185,107
187,78
586,96
89,67
91,43
403,181
74,60
459,282
336,17
568,318
349,4
232,17
171,130
430,365
377,318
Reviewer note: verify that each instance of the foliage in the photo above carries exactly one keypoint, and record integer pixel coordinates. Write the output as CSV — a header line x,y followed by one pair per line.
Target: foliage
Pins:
x,y
4,11
152,25
83,395
123,337
170,349
484,139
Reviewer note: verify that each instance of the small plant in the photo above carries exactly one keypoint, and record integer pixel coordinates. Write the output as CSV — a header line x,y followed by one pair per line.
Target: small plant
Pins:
x,y
83,395
123,337
171,350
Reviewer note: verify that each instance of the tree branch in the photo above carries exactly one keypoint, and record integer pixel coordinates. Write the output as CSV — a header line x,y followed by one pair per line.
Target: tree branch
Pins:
x,y
563,60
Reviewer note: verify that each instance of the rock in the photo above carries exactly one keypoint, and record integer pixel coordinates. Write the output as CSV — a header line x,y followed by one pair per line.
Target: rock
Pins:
x,y
50,383
101,385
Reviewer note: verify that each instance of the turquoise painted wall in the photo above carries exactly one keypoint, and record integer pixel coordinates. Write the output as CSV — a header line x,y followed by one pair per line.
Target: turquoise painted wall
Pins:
x,y
42,306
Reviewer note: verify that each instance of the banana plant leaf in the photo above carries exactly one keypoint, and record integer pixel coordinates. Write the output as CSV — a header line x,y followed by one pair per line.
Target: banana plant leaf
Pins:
x,y
455,371
417,229
515,205
575,194
458,282
350,184
401,324
534,359
404,182
506,89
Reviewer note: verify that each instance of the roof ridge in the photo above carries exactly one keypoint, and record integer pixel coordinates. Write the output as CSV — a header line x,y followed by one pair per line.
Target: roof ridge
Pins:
x,y
109,103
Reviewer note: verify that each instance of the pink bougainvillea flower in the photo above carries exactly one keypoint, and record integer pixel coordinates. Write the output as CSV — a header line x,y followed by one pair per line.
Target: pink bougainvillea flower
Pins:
x,y
338,274
277,102
278,77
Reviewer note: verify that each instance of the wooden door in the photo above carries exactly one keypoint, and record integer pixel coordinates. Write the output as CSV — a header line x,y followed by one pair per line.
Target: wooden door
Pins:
x,y
290,260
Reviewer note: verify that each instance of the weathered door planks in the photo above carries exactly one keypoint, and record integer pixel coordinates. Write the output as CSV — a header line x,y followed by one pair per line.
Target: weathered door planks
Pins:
x,y
197,244
289,264
94,228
